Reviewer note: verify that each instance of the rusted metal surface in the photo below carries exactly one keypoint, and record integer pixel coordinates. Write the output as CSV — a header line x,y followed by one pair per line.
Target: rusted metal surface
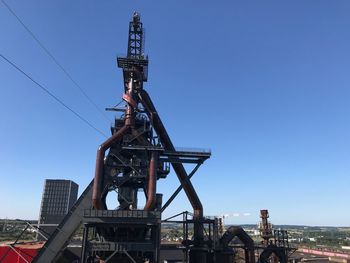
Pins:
x,y
152,182
265,227
96,192
178,167
177,191
129,123
131,106
138,153
168,145
248,242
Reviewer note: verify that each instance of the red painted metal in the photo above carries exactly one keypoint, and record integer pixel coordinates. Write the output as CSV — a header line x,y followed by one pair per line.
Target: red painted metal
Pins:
x,y
324,253
130,100
23,253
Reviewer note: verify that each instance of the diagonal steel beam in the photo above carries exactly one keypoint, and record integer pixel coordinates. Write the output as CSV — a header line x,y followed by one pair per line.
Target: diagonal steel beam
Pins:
x,y
178,190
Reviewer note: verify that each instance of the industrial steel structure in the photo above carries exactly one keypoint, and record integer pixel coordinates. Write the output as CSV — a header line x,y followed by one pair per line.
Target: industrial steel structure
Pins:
x,y
130,162
140,152
275,244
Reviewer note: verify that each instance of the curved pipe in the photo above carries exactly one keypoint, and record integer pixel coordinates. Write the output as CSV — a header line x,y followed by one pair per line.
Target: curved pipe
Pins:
x,y
152,182
178,167
96,191
239,232
168,145
264,256
129,122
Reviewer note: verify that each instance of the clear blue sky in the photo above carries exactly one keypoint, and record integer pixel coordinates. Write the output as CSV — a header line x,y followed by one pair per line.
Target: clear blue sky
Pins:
x,y
264,84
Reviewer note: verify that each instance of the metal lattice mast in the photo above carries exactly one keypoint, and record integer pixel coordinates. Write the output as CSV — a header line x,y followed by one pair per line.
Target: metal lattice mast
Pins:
x,y
135,42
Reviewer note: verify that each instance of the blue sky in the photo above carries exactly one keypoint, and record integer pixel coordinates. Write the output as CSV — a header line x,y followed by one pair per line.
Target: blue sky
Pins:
x,y
264,84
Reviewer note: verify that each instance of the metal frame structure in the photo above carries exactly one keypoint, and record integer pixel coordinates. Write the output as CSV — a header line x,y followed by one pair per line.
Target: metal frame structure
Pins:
x,y
138,153
210,227
275,245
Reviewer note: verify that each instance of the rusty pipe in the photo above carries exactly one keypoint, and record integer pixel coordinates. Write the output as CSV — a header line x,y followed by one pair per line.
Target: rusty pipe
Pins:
x,y
152,182
178,167
96,191
248,242
129,122
132,104
168,145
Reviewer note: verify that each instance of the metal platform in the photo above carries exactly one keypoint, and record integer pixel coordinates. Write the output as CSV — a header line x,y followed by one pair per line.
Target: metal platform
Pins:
x,y
121,243
121,217
180,155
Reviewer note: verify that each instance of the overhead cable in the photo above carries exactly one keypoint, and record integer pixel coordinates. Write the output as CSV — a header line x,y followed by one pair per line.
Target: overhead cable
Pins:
x,y
52,95
69,76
